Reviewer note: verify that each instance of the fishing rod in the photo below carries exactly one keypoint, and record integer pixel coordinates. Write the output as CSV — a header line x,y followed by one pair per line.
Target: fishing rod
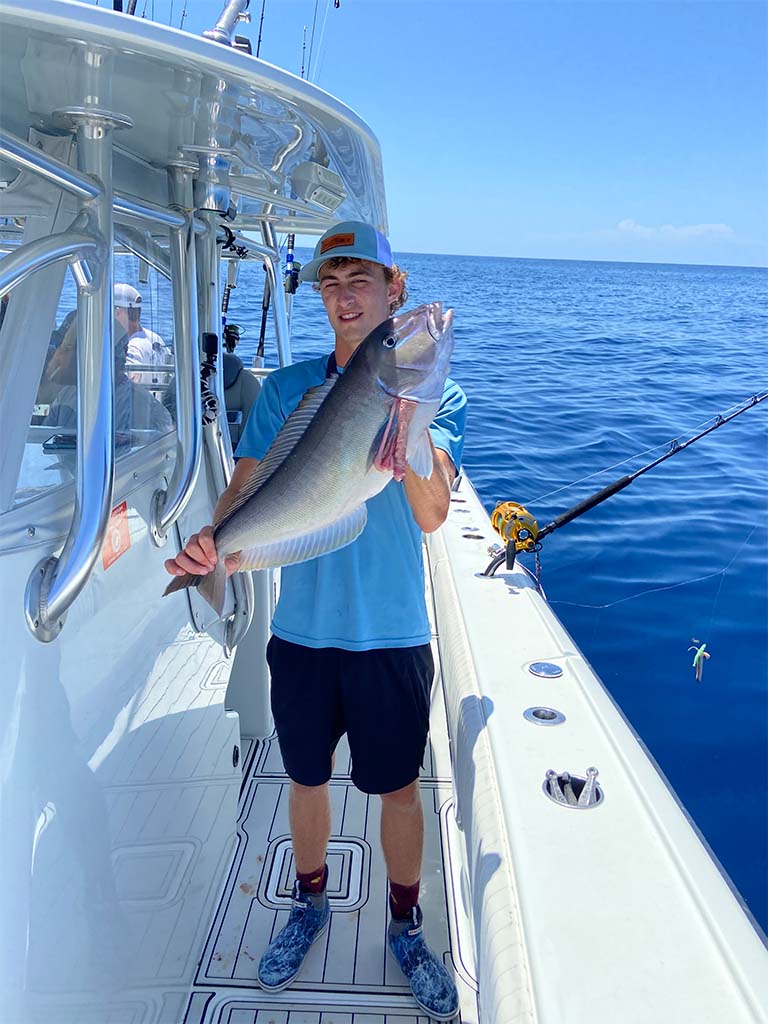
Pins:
x,y
261,26
519,529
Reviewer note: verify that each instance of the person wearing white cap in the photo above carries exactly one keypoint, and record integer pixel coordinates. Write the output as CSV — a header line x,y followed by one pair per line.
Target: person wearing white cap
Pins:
x,y
144,346
350,650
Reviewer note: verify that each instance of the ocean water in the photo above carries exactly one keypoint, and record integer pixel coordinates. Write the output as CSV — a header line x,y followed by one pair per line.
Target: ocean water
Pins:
x,y
574,367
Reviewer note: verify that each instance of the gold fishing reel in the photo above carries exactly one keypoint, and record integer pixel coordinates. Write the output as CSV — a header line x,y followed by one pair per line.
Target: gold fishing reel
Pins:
x,y
515,525
517,528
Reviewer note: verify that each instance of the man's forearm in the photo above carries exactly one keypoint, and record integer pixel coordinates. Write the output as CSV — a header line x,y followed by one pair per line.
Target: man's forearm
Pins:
x,y
242,471
430,498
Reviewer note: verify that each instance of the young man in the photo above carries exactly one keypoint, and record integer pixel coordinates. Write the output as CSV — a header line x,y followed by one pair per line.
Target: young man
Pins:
x,y
144,346
350,649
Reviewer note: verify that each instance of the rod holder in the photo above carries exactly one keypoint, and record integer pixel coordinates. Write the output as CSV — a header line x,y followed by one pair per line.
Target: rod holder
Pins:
x,y
574,791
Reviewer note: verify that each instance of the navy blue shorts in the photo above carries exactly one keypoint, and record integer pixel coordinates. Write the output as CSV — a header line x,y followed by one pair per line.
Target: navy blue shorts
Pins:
x,y
379,698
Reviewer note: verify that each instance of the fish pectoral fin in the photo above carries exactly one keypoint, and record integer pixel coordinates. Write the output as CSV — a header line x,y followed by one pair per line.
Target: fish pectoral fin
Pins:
x,y
419,455
312,545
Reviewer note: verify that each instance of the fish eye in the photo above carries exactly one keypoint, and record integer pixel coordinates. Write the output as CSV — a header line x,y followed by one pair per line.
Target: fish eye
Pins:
x,y
390,341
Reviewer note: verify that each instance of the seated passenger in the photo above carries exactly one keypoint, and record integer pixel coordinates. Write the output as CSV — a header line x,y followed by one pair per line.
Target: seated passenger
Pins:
x,y
135,408
144,346
57,369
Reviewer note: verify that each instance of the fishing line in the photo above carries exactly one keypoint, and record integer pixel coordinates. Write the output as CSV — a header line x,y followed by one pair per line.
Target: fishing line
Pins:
x,y
520,530
722,578
668,586
319,61
631,458
311,43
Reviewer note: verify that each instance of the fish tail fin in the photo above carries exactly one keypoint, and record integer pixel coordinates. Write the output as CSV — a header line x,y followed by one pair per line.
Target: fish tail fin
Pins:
x,y
213,587
181,583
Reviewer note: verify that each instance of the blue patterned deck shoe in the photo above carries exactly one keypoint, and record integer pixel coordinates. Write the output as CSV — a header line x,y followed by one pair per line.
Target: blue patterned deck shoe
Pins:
x,y
432,986
285,954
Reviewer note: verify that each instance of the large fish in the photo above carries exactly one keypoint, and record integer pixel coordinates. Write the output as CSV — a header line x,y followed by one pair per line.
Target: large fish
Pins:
x,y
342,445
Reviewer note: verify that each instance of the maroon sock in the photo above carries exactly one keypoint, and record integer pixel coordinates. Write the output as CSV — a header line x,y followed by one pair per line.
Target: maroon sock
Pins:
x,y
402,899
313,881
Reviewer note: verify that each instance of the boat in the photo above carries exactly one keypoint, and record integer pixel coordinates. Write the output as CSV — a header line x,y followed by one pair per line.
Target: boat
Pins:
x,y
146,856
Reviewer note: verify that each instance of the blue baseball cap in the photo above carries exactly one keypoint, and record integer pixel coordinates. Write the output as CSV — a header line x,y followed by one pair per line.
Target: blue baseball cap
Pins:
x,y
353,239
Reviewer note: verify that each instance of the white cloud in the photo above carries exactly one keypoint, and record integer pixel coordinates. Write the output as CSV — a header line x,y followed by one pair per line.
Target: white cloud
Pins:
x,y
671,233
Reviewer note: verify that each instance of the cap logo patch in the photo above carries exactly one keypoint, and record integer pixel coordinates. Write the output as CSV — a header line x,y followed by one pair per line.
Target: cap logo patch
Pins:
x,y
335,242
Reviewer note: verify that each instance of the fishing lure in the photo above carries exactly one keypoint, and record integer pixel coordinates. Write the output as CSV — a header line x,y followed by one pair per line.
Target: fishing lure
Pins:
x,y
699,658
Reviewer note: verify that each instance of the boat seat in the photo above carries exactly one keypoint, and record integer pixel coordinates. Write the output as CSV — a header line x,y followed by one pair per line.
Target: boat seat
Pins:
x,y
241,389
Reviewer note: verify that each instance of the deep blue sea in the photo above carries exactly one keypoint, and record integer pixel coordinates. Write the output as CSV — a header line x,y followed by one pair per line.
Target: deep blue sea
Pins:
x,y
572,368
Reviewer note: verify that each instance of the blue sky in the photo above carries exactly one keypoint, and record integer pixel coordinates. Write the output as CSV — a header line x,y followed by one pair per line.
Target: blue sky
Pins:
x,y
574,130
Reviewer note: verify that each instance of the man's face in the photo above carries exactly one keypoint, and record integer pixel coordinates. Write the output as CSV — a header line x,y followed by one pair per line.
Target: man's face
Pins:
x,y
357,297
121,315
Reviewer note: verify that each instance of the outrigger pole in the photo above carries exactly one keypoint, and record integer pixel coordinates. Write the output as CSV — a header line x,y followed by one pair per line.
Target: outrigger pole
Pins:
x,y
515,524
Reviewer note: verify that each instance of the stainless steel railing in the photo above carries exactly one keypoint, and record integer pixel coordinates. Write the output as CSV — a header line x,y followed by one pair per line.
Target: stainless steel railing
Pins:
x,y
234,11
56,582
72,246
30,158
216,435
168,505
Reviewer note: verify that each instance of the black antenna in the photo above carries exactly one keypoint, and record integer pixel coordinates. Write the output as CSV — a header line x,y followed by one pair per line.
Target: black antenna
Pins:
x,y
303,50
261,24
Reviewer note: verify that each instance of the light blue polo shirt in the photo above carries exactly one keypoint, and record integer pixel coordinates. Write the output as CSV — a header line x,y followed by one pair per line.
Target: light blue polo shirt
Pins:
x,y
371,592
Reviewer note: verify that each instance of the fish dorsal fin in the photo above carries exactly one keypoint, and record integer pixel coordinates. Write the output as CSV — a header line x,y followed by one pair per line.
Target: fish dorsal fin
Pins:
x,y
285,441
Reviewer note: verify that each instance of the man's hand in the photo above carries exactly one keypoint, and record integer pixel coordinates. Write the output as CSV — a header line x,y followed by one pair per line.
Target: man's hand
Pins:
x,y
199,556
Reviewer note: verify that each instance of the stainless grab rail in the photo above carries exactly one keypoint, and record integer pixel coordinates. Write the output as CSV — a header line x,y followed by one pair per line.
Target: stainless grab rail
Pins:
x,y
30,158
244,186
168,505
56,582
234,11
145,247
128,207
216,434
271,257
71,245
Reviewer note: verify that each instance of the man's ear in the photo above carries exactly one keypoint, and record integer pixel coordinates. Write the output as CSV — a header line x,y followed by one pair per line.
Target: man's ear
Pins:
x,y
394,291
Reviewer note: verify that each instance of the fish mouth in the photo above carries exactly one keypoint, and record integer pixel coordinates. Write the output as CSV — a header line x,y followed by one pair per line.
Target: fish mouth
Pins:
x,y
437,322
420,376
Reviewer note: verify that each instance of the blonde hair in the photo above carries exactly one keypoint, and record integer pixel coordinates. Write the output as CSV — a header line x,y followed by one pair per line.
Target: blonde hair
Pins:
x,y
393,273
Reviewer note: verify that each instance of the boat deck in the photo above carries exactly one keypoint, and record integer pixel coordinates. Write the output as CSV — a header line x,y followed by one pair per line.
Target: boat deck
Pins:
x,y
348,976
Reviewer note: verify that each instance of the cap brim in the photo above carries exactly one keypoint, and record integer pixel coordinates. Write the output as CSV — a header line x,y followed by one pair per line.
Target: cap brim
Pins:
x,y
309,271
